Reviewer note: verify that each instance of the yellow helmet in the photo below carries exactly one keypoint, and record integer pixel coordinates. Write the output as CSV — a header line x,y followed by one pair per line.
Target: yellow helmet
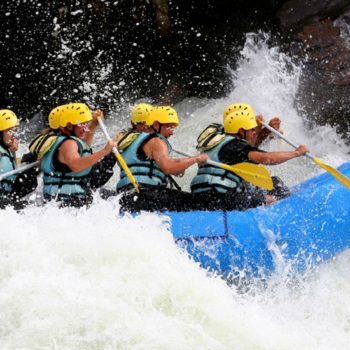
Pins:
x,y
8,119
54,117
140,113
163,115
237,107
242,119
74,113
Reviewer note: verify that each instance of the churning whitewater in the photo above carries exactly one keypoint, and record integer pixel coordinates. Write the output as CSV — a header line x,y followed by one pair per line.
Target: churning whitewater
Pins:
x,y
90,279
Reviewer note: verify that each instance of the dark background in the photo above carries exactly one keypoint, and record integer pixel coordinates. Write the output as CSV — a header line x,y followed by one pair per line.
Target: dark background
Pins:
x,y
108,53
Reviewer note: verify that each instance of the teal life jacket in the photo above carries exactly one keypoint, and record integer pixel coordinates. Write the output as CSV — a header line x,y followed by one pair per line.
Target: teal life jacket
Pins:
x,y
7,163
146,172
59,182
210,178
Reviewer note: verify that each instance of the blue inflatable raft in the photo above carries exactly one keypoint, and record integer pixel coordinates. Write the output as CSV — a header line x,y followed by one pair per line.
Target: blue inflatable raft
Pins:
x,y
309,227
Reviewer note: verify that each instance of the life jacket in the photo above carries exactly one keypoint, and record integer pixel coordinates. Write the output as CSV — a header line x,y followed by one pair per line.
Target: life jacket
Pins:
x,y
146,172
42,144
213,178
211,136
7,163
58,182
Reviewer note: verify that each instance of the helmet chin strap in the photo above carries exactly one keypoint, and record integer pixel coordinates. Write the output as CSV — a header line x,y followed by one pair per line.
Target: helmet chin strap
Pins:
x,y
239,134
69,132
2,143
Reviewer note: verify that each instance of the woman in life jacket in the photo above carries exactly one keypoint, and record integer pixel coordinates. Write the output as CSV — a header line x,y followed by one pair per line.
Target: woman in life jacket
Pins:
x,y
223,190
43,142
139,115
149,159
71,171
14,187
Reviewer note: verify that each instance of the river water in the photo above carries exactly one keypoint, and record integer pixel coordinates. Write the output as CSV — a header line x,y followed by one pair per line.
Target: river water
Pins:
x,y
88,279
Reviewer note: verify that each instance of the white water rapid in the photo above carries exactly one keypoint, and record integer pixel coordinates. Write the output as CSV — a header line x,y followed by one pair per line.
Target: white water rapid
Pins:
x,y
88,280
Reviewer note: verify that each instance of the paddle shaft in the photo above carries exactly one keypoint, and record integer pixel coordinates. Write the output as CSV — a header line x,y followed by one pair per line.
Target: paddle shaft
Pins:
x,y
334,172
268,127
19,170
119,157
210,162
105,132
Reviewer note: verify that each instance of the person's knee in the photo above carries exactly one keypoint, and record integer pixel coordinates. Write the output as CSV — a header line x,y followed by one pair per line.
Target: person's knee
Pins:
x,y
280,190
269,199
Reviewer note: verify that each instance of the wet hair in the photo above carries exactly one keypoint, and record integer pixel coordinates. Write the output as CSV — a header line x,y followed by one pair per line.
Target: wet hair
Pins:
x,y
2,143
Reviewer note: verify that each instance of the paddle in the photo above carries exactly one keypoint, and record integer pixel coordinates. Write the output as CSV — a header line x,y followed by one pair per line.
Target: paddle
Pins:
x,y
119,157
253,173
334,172
19,169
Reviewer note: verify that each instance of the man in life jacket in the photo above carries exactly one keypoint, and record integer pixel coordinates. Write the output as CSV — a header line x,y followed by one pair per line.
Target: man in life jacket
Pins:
x,y
148,158
70,169
222,190
14,187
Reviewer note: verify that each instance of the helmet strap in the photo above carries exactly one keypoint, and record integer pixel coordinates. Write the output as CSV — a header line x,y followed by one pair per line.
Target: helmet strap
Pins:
x,y
73,131
68,131
242,134
2,143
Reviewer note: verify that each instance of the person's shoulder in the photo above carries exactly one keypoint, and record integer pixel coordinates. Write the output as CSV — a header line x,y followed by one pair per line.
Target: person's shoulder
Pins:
x,y
154,139
154,142
68,144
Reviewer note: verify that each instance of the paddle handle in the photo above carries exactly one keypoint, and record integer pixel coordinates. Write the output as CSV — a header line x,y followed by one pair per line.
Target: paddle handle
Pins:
x,y
182,153
19,170
281,136
105,132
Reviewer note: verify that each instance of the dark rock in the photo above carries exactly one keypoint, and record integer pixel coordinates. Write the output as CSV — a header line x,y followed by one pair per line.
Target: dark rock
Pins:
x,y
162,16
296,13
111,52
325,84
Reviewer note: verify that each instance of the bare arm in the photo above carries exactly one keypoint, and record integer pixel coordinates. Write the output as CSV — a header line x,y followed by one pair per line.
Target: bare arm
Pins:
x,y
157,150
273,158
68,154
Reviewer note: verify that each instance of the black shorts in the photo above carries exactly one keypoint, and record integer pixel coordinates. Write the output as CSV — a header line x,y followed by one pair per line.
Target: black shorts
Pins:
x,y
157,199
76,201
231,200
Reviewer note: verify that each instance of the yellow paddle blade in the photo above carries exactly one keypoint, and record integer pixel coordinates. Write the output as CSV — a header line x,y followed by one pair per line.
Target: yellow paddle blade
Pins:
x,y
334,172
252,173
127,171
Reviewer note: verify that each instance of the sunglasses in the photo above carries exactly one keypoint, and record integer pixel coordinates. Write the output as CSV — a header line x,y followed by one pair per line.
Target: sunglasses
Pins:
x,y
12,132
84,126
